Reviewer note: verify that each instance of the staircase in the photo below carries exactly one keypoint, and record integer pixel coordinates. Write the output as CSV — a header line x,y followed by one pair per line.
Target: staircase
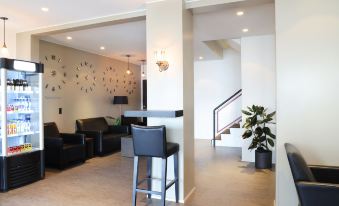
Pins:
x,y
226,122
230,137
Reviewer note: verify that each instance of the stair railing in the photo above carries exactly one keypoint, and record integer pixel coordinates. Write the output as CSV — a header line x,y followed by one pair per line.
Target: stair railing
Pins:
x,y
216,127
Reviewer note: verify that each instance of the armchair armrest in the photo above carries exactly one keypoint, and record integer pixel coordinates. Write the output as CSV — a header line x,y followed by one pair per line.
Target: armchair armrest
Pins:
x,y
325,174
53,142
72,138
315,194
92,134
119,129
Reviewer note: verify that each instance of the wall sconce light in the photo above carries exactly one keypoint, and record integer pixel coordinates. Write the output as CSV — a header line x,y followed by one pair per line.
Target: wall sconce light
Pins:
x,y
161,60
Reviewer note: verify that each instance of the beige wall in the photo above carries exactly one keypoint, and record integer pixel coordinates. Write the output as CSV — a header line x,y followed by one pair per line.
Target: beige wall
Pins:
x,y
307,47
79,104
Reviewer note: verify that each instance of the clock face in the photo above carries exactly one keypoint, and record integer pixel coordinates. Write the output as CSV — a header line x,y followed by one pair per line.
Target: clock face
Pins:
x,y
129,83
110,80
85,77
56,74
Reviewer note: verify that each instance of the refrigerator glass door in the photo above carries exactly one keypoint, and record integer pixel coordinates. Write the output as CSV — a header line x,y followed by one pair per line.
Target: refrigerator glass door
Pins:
x,y
22,110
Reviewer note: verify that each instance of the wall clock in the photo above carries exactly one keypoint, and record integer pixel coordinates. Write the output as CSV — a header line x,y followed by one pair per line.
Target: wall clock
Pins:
x,y
55,72
85,77
110,80
129,84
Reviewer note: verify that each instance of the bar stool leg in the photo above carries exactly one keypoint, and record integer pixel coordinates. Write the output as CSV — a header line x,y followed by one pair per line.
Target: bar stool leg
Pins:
x,y
176,176
149,175
163,181
135,179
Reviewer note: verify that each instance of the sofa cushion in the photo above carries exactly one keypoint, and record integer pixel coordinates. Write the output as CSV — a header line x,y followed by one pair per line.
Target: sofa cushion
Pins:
x,y
92,124
51,130
299,168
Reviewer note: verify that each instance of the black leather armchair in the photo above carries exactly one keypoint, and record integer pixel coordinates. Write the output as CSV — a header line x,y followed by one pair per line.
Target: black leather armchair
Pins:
x,y
62,149
316,185
106,138
128,121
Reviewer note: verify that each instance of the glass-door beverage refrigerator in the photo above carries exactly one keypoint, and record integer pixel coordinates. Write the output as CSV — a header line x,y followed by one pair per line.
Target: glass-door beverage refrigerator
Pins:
x,y
21,149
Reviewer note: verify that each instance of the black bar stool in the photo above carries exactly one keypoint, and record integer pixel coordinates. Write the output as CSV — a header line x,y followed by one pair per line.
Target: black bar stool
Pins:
x,y
151,142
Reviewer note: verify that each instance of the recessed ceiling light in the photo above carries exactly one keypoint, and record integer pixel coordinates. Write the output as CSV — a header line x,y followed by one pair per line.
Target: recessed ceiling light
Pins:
x,y
201,58
44,9
240,13
102,48
69,38
245,30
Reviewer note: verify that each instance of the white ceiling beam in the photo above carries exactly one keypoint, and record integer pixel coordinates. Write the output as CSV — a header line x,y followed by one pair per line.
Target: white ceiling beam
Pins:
x,y
90,23
191,4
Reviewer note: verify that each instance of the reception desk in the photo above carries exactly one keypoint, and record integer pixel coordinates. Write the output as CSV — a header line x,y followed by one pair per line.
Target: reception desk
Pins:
x,y
154,113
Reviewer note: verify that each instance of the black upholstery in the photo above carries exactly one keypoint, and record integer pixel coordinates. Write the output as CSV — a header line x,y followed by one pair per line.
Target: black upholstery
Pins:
x,y
106,138
62,149
300,170
128,121
151,141
316,185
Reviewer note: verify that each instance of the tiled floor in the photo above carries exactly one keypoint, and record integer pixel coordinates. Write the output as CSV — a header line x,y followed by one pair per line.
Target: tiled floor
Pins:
x,y
221,179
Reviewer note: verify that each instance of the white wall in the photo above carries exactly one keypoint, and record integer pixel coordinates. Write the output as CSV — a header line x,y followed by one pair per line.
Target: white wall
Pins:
x,y
307,86
214,82
10,41
173,88
258,77
77,104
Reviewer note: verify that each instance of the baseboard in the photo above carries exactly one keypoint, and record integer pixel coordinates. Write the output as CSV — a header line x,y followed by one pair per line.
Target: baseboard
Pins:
x,y
189,194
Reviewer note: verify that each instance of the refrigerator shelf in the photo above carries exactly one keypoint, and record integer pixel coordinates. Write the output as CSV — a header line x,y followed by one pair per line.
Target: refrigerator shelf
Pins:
x,y
20,112
23,152
19,92
21,134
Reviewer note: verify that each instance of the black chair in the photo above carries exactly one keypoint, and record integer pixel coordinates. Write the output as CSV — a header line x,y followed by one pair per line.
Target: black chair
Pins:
x,y
62,149
128,121
316,185
106,138
151,142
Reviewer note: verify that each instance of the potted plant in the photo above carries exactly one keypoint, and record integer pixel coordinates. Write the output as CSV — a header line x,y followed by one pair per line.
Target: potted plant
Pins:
x,y
263,139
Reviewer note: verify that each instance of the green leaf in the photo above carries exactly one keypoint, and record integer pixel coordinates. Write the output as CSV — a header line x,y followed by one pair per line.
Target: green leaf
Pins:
x,y
253,120
262,138
271,135
252,146
267,130
246,112
247,134
271,142
271,115
258,131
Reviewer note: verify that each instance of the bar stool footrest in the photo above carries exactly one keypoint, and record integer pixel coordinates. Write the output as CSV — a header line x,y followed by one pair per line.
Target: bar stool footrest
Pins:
x,y
148,191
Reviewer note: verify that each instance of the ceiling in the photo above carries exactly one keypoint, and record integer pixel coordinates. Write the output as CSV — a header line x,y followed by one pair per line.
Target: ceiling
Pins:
x,y
27,15
118,40
213,23
223,23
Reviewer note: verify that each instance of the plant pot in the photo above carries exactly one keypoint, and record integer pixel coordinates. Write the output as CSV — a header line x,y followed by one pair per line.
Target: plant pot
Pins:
x,y
263,159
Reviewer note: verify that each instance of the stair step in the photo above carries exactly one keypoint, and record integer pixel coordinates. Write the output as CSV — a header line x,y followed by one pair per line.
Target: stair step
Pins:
x,y
231,140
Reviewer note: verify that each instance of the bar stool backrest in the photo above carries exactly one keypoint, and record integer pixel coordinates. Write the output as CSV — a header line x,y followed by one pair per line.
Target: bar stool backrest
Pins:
x,y
149,141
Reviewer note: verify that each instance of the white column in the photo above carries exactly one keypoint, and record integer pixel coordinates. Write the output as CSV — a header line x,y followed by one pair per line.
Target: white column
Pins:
x,y
169,27
307,86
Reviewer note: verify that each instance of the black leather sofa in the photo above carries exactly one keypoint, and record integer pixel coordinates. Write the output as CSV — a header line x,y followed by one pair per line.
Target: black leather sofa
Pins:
x,y
62,149
128,121
316,185
107,138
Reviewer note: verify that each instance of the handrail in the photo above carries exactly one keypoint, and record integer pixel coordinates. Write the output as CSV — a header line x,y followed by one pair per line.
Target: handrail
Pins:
x,y
218,107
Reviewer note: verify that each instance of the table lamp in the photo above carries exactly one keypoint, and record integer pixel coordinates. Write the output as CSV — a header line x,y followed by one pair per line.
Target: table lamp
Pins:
x,y
120,100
